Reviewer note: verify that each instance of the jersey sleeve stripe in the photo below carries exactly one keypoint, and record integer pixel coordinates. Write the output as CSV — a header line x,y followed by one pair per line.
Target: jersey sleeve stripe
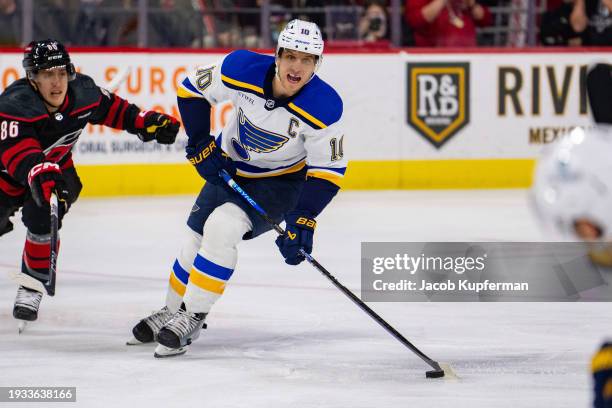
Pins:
x,y
270,173
119,123
112,113
15,160
188,86
185,93
232,83
332,178
314,122
84,108
339,170
9,188
28,145
27,120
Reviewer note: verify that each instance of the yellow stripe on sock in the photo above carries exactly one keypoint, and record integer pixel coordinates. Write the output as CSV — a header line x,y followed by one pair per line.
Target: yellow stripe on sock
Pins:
x,y
206,283
602,360
177,285
607,391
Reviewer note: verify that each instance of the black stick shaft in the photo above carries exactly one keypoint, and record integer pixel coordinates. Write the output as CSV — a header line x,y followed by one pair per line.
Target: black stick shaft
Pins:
x,y
390,329
50,284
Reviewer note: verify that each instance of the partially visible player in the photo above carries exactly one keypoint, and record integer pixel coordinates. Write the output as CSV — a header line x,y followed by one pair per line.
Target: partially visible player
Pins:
x,y
284,145
601,366
41,118
599,90
572,196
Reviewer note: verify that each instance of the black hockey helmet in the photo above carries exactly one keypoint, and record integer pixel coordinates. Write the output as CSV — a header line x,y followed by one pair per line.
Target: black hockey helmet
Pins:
x,y
45,54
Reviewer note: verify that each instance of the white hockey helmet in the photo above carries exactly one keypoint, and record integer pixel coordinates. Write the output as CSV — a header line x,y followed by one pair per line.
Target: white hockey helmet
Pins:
x,y
573,181
304,36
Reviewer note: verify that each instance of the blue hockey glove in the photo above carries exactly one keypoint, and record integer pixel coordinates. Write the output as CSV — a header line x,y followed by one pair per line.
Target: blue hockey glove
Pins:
x,y
209,160
299,233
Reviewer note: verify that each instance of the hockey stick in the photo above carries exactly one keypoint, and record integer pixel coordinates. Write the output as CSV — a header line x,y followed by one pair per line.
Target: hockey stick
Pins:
x,y
118,79
437,371
50,284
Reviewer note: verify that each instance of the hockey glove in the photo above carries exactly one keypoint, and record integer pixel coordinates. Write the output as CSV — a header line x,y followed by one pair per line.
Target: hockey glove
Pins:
x,y
209,160
45,178
299,233
159,126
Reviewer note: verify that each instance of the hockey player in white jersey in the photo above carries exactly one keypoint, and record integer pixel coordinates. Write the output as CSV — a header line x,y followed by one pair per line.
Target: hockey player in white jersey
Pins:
x,y
572,196
283,145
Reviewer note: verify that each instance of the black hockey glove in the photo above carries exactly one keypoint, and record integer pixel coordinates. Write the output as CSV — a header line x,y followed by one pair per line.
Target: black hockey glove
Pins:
x,y
45,178
159,126
299,233
209,160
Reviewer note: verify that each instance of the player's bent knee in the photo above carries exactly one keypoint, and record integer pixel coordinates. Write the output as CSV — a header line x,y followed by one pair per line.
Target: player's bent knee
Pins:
x,y
191,244
225,227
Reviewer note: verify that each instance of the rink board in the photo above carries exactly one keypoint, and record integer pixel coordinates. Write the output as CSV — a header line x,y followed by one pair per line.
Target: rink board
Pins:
x,y
462,119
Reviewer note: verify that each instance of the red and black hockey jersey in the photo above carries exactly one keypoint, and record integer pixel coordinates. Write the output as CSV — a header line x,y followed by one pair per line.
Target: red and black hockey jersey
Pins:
x,y
29,134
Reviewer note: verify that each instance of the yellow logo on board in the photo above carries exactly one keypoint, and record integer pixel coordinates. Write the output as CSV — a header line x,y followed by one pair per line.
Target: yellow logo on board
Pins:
x,y
438,99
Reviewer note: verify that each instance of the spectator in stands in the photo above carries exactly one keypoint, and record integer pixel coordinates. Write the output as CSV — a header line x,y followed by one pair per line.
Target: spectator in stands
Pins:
x,y
593,18
92,25
373,24
218,26
446,23
52,19
172,23
10,23
555,26
249,22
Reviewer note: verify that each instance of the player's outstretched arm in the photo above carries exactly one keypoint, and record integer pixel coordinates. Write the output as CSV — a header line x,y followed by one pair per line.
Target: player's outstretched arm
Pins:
x,y
117,113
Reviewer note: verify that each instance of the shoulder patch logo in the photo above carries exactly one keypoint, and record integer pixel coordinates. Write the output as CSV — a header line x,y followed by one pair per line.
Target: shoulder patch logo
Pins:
x,y
438,99
255,139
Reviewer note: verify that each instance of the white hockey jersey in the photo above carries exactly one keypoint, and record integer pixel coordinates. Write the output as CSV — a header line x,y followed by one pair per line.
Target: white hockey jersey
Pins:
x,y
266,136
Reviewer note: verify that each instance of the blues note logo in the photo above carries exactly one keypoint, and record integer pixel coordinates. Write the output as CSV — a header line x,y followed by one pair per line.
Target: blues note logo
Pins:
x,y
255,139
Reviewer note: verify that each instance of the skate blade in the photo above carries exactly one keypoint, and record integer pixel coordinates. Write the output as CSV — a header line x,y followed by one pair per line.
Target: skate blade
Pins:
x,y
21,325
164,352
135,342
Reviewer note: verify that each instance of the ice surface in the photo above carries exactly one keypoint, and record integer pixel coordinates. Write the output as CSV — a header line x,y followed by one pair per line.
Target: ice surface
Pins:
x,y
284,336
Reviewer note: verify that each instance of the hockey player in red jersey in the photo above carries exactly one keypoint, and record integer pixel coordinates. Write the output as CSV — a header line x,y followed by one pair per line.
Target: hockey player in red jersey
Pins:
x,y
41,118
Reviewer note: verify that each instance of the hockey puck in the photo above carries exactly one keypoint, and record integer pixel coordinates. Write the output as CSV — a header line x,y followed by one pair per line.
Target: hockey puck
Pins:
x,y
434,374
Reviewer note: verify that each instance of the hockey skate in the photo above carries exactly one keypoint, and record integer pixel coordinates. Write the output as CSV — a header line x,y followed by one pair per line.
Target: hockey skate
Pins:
x,y
182,329
146,330
26,306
